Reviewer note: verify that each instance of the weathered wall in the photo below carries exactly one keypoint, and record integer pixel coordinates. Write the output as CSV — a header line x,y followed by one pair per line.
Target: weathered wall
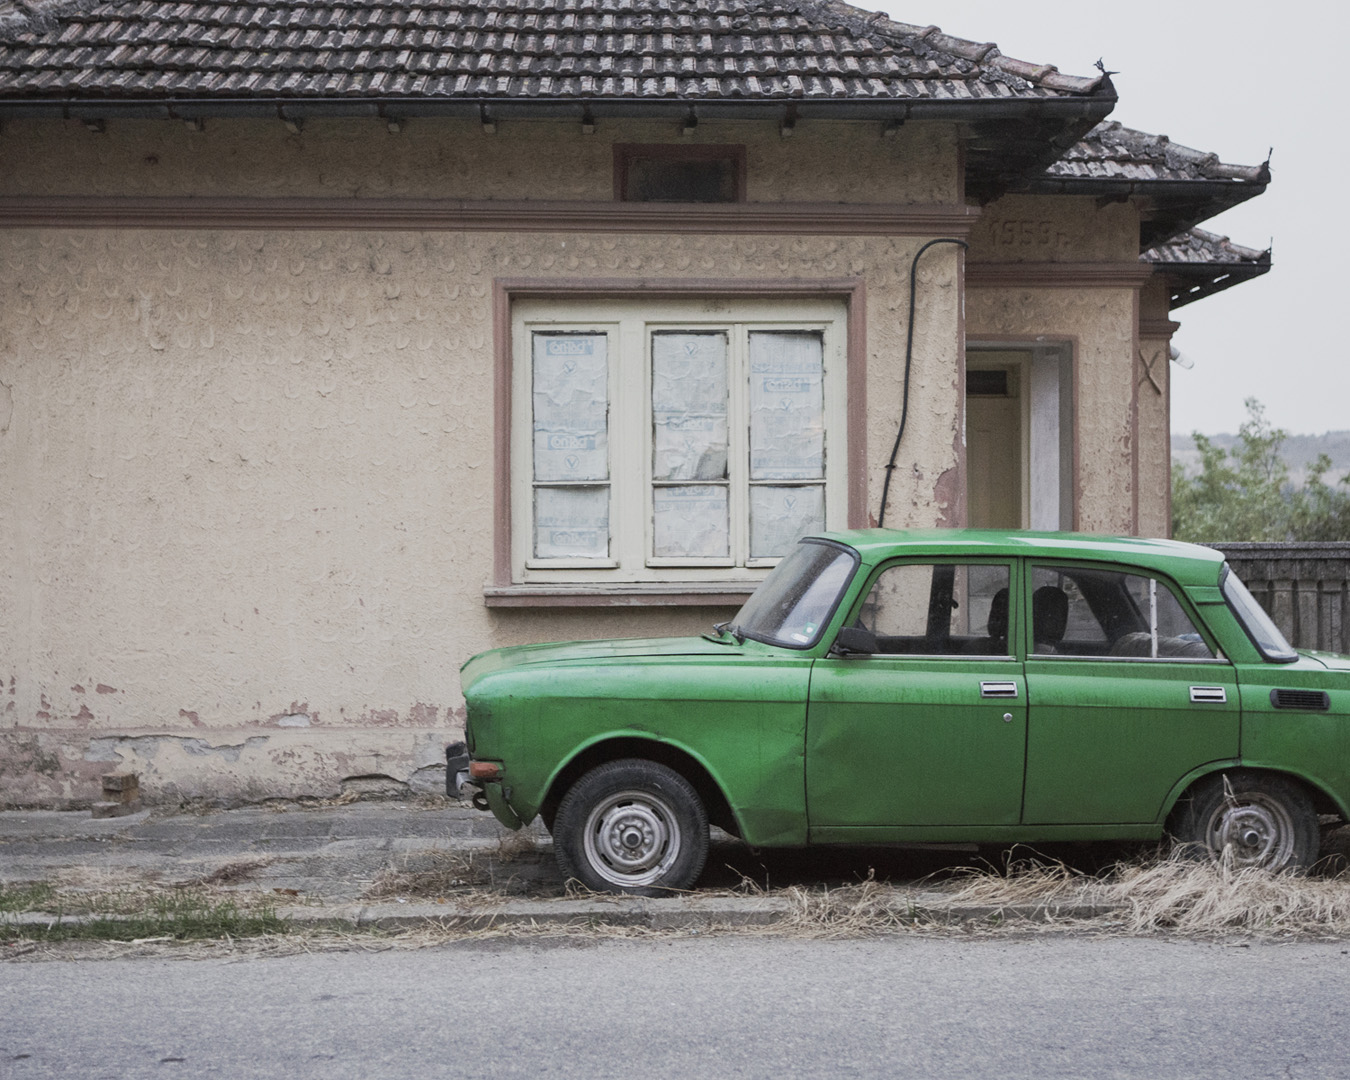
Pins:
x,y
1154,377
1059,229
248,474
1100,323
455,159
1120,423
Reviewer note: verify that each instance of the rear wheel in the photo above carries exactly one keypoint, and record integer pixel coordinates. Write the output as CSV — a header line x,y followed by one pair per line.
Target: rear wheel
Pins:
x,y
1253,819
631,826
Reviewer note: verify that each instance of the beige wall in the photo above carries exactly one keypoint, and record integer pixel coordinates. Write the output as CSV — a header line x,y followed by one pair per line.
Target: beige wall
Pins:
x,y
248,480
1064,229
1120,422
1100,325
431,158
248,474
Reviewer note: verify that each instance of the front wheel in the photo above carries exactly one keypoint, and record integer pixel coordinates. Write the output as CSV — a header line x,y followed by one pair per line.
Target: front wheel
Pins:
x,y
631,826
1251,818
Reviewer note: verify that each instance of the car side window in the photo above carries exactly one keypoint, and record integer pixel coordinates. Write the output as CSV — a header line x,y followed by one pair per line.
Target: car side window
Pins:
x,y
939,609
1079,611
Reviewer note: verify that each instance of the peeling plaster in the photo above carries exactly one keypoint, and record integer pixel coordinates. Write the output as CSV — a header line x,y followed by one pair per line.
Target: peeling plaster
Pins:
x,y
147,746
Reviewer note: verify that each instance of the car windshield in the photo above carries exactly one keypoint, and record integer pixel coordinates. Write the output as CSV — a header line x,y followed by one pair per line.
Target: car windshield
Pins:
x,y
1260,627
793,604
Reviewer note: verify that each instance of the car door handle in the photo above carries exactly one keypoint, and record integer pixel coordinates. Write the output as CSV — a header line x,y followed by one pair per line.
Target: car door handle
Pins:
x,y
998,689
1209,695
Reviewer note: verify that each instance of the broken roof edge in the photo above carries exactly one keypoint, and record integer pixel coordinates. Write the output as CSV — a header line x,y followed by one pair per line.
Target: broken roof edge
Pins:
x,y
1197,264
985,53
1215,249
1159,151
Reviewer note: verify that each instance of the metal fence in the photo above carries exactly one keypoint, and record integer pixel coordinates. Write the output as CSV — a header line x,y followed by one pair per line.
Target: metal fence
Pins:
x,y
1304,587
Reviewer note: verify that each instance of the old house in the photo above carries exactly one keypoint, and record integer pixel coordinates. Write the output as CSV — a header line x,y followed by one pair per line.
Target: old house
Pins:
x,y
343,339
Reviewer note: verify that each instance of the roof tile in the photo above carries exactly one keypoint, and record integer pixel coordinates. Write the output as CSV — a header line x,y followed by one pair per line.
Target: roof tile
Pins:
x,y
805,48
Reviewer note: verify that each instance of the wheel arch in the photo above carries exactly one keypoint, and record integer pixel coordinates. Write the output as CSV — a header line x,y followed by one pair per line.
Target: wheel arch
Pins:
x,y
1323,801
615,748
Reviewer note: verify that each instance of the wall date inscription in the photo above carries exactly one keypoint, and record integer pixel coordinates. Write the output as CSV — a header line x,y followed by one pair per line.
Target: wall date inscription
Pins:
x,y
1027,232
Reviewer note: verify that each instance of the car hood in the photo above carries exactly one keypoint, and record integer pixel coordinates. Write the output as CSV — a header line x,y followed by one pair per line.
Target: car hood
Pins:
x,y
591,652
1330,661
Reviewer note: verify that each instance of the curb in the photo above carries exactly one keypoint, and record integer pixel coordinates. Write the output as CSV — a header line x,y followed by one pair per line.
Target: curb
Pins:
x,y
681,913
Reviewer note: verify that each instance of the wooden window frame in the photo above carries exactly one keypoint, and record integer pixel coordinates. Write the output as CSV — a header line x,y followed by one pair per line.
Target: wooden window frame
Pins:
x,y
506,590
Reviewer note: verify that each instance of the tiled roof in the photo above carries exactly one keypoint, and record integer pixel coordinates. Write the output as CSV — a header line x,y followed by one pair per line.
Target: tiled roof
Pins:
x,y
690,51
1174,186
1113,152
1199,263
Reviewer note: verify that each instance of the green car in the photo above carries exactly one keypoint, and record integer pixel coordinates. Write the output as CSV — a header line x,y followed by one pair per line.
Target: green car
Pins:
x,y
937,686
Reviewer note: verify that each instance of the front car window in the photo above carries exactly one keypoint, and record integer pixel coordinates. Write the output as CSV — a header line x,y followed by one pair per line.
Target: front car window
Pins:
x,y
793,604
1098,612
939,609
1252,616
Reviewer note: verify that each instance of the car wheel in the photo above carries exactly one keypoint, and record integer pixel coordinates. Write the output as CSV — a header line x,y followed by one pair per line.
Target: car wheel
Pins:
x,y
631,826
1250,818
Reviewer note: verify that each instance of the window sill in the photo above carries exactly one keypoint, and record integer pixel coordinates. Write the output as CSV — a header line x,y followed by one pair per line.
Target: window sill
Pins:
x,y
621,594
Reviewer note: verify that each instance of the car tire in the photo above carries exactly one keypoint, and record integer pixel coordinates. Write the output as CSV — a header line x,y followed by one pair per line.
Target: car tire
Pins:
x,y
1254,819
634,827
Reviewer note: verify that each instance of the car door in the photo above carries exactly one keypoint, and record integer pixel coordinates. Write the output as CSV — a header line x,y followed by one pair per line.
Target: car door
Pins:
x,y
1126,695
929,729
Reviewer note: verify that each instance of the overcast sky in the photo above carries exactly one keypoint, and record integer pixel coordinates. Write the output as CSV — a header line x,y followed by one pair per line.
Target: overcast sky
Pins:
x,y
1234,77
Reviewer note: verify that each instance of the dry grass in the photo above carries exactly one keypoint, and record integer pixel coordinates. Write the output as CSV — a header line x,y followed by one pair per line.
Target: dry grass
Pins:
x,y
436,875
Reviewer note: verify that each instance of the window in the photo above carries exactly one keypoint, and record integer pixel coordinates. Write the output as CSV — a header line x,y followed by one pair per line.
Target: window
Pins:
x,y
660,172
1076,611
939,609
673,439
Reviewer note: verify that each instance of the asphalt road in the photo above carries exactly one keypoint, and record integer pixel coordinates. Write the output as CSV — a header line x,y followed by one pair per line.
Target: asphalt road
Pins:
x,y
900,1006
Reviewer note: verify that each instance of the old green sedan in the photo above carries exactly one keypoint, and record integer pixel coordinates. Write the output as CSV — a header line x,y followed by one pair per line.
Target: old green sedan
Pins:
x,y
909,687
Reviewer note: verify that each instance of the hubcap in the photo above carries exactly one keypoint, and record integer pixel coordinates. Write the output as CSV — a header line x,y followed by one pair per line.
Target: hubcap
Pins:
x,y
632,838
1255,832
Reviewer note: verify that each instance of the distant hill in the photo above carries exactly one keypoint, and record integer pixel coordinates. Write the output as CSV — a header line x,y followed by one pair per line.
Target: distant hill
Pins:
x,y
1299,451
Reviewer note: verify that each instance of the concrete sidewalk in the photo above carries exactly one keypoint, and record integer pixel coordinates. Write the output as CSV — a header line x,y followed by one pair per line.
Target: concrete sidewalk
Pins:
x,y
322,862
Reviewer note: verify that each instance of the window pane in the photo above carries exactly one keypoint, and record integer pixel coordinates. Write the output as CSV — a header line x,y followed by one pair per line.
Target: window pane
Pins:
x,y
571,407
689,406
690,520
780,516
942,609
1085,612
787,406
571,523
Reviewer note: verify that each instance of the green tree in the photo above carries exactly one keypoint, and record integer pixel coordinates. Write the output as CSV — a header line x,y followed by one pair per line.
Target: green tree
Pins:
x,y
1245,493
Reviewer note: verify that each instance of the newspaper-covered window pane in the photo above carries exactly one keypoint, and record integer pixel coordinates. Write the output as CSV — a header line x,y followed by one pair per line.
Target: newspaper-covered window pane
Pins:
x,y
689,406
571,407
780,516
691,521
787,406
571,523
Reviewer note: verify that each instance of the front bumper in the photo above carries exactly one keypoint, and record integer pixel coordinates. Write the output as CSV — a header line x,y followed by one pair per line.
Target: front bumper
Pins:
x,y
457,783
484,794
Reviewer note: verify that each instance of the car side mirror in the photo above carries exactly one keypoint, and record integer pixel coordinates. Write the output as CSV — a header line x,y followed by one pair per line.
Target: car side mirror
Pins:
x,y
855,641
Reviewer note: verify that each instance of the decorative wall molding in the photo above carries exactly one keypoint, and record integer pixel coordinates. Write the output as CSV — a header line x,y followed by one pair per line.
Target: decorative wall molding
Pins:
x,y
1048,275
799,219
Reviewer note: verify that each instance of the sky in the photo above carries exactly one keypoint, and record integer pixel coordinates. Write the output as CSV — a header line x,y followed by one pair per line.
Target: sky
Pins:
x,y
1236,78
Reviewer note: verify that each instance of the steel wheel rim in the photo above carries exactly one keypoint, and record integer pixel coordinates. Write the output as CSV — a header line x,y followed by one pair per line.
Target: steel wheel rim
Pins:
x,y
632,838
1258,831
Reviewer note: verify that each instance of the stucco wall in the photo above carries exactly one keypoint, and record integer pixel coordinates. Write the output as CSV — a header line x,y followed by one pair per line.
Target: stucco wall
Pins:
x,y
248,487
820,162
1068,229
1099,322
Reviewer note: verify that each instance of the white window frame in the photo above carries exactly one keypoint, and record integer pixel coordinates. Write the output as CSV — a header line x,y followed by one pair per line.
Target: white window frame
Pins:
x,y
629,323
